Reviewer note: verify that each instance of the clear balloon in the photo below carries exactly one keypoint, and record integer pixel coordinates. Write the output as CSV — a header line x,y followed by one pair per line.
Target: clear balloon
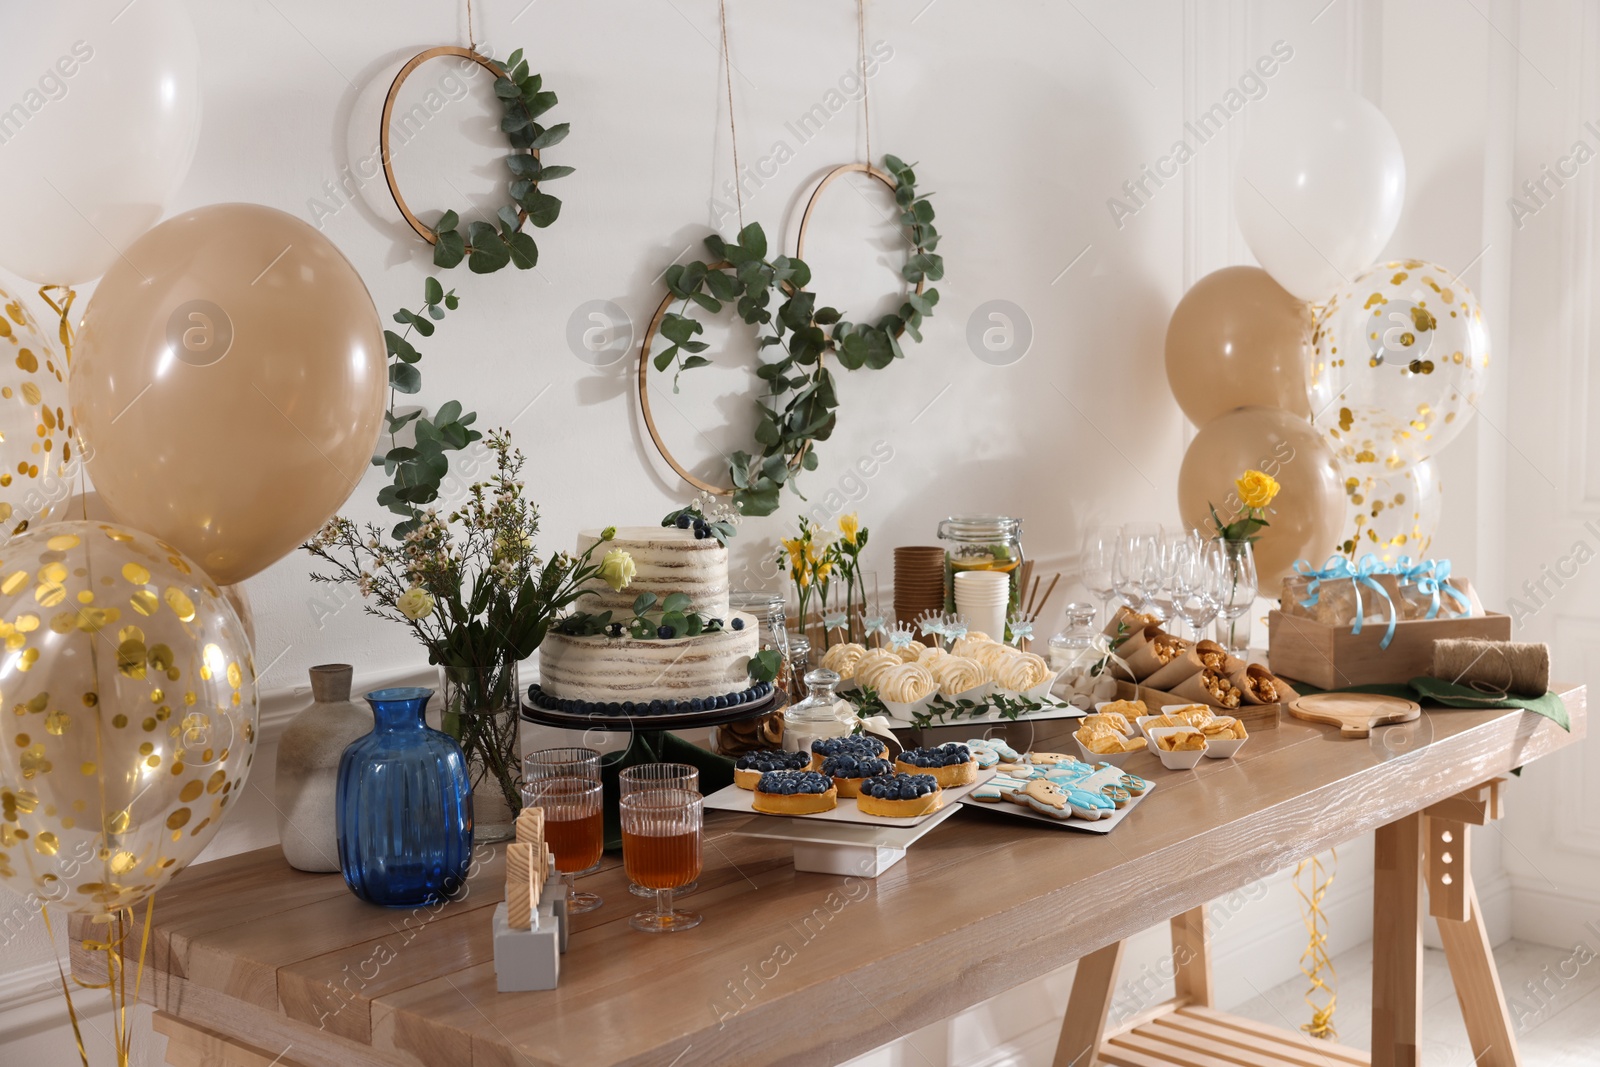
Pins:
x,y
1392,514
1318,189
134,695
1237,339
1399,360
36,441
229,385
1306,515
101,114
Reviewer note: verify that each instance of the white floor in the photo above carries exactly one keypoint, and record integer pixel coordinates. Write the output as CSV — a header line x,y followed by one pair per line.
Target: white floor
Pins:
x,y
1553,995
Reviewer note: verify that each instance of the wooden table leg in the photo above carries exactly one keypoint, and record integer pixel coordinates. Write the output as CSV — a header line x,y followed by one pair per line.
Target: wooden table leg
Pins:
x,y
1191,958
1453,902
1088,1007
1397,943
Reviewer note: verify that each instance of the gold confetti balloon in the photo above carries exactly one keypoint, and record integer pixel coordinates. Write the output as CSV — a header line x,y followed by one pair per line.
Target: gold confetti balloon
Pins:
x,y
35,440
128,697
1392,513
1400,356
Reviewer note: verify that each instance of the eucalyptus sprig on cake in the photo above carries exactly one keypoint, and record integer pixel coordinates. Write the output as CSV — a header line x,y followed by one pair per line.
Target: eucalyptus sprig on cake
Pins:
x,y
800,406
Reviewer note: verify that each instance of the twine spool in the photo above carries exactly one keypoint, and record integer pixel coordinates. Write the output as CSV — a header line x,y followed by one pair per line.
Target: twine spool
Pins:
x,y
1516,668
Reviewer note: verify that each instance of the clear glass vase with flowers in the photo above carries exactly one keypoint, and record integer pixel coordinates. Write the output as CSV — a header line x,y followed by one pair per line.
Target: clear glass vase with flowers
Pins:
x,y
474,592
1236,559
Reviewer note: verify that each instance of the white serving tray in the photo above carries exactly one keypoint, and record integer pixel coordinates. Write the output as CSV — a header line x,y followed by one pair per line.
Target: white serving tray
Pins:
x,y
732,798
1054,708
1093,826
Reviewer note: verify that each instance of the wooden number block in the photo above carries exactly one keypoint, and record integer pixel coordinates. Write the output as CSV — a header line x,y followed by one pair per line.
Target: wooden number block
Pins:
x,y
519,886
530,827
1449,874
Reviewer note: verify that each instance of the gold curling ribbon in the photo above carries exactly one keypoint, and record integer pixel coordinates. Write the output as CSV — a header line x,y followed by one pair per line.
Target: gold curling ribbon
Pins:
x,y
1315,961
116,977
62,308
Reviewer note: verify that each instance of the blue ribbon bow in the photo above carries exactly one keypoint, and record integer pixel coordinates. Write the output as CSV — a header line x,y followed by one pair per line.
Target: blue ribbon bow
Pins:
x,y
1020,631
1431,577
899,639
1338,568
875,624
835,620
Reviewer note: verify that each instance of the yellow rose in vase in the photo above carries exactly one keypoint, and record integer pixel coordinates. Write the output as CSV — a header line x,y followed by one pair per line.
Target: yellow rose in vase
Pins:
x,y
617,569
1256,488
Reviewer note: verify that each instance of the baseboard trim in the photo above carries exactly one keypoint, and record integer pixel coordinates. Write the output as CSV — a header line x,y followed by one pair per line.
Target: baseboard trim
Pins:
x,y
1546,915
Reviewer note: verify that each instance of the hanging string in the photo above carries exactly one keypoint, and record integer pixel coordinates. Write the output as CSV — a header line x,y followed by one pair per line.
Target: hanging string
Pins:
x,y
733,129
861,50
1315,960
472,37
63,309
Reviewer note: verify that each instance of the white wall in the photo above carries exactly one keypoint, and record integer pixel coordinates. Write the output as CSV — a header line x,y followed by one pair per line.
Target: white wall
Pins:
x,y
1025,117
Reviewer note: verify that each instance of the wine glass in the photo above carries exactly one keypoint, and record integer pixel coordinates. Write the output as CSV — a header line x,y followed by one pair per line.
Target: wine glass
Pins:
x,y
1194,584
1099,553
1127,565
661,840
658,776
573,828
1236,569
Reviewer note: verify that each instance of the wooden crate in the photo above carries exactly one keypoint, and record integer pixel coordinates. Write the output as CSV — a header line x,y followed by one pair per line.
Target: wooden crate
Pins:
x,y
1331,657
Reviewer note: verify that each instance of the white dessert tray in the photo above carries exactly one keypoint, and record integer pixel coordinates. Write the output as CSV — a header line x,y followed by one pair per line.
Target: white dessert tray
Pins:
x,y
1054,708
732,798
854,849
1103,825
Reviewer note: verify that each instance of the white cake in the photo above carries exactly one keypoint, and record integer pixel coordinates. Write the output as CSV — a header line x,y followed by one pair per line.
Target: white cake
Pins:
x,y
604,669
669,560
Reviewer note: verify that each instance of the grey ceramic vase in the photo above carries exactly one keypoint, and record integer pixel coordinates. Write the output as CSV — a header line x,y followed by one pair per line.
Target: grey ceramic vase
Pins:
x,y
308,768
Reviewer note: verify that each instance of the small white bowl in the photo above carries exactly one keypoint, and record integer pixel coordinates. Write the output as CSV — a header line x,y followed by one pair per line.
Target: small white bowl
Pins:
x,y
1133,724
1116,759
977,694
1224,749
1177,761
907,712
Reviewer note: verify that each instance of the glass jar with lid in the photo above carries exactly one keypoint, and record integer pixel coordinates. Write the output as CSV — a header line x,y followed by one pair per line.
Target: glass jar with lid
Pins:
x,y
982,543
1075,654
821,714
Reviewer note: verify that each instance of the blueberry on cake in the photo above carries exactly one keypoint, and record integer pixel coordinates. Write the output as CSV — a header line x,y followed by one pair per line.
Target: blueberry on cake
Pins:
x,y
899,796
794,793
848,770
748,768
951,764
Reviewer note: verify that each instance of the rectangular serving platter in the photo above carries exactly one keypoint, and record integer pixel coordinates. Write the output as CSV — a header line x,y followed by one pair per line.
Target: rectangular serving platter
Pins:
x,y
732,798
1089,826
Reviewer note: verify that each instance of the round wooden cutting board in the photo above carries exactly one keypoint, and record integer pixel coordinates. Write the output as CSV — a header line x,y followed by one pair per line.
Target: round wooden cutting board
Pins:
x,y
1355,714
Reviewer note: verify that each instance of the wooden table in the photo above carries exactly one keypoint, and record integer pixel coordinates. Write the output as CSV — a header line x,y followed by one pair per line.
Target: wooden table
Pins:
x,y
256,964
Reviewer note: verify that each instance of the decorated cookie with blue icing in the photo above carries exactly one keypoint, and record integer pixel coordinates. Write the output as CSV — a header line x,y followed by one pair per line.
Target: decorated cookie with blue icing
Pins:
x,y
1135,785
991,752
1047,798
1087,805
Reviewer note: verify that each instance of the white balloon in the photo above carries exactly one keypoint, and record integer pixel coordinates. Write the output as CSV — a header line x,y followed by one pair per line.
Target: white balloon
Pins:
x,y
1318,190
99,116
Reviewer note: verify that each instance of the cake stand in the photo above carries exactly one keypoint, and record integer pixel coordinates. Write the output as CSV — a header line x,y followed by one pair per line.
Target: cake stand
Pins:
x,y
651,742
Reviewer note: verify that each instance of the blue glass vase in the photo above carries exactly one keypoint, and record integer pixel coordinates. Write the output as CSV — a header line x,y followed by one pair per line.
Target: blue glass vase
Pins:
x,y
404,806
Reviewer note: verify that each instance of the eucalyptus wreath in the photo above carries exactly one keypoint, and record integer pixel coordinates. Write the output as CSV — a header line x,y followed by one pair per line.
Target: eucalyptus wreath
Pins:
x,y
801,403
485,247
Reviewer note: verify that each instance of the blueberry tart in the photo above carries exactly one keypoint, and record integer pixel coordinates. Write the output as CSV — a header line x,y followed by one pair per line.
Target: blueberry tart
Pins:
x,y
794,793
849,770
950,765
900,796
749,768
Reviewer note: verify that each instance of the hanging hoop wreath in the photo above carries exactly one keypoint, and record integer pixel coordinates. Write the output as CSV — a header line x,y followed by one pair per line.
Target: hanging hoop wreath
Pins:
x,y
801,404
485,247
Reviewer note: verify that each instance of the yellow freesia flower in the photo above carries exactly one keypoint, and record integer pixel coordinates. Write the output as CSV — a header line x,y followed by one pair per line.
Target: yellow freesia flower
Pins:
x,y
849,527
1256,488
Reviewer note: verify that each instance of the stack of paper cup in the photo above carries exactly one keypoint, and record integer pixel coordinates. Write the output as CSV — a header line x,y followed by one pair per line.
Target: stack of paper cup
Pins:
x,y
982,597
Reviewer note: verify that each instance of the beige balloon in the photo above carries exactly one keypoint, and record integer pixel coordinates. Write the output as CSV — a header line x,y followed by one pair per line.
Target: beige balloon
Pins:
x,y
1306,517
1238,339
229,385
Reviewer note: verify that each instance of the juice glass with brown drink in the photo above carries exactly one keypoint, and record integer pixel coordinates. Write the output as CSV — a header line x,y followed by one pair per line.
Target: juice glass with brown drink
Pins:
x,y
661,843
573,828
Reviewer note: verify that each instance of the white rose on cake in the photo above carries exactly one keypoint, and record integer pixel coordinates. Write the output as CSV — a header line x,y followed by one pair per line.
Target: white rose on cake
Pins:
x,y
617,569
